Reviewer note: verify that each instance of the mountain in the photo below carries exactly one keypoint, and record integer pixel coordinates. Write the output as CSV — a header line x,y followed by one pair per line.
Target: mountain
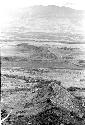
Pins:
x,y
45,19
52,11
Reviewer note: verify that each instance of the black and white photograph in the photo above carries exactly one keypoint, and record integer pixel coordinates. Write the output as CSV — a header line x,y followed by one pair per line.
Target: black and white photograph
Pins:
x,y
42,61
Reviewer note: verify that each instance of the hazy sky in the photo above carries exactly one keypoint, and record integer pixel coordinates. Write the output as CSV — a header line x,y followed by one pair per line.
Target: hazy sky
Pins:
x,y
7,6
13,4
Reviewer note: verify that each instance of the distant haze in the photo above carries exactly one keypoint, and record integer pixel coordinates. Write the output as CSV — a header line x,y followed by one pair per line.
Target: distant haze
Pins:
x,y
8,6
49,18
13,4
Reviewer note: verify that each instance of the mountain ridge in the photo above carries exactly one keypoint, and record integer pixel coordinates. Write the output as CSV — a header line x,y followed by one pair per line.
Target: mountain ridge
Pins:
x,y
53,10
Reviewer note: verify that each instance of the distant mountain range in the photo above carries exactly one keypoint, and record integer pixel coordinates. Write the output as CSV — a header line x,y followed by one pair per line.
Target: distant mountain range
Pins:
x,y
52,11
47,19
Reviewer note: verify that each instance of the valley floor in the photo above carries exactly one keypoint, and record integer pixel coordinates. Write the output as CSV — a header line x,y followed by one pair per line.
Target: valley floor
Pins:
x,y
36,80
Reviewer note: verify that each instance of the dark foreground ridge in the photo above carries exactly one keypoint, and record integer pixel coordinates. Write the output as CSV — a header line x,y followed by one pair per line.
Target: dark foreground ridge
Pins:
x,y
51,104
